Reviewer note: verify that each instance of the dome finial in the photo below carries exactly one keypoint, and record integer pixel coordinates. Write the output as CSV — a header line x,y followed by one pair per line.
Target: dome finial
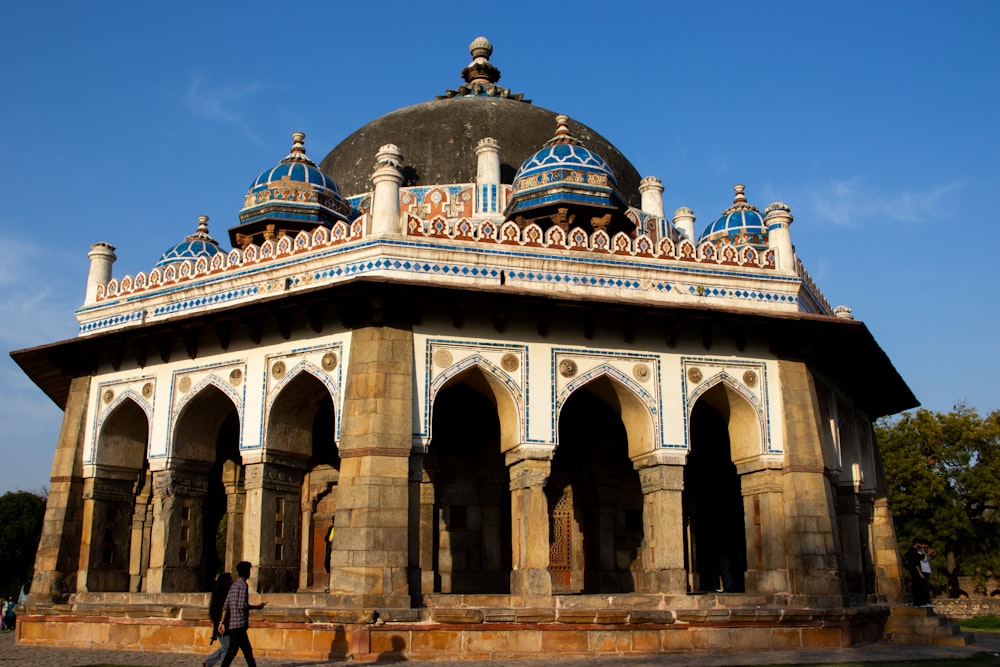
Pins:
x,y
298,152
562,135
481,70
740,197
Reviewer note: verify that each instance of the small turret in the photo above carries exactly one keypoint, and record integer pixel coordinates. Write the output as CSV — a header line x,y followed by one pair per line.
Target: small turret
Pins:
x,y
102,257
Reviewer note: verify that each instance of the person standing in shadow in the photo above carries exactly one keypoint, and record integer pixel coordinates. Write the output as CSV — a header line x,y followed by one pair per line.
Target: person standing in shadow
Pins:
x,y
219,592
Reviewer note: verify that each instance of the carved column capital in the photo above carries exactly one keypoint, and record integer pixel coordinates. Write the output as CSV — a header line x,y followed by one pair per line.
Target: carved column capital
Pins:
x,y
529,473
273,477
177,483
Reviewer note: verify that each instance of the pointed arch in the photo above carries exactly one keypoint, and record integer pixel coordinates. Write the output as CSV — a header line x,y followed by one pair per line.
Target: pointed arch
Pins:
x,y
742,411
294,389
636,406
195,439
123,433
494,383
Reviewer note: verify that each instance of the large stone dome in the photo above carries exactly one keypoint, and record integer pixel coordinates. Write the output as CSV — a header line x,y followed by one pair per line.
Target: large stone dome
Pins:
x,y
438,138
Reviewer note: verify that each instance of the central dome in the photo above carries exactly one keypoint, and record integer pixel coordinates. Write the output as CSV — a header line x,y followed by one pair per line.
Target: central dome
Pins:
x,y
438,138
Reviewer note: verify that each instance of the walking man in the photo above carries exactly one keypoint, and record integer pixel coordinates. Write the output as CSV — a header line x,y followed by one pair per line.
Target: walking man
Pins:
x,y
236,617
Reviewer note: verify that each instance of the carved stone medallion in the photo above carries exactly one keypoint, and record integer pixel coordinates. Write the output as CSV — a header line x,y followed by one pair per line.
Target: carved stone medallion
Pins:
x,y
442,358
235,377
184,384
694,374
147,390
567,368
329,361
278,370
750,379
510,362
641,372
109,396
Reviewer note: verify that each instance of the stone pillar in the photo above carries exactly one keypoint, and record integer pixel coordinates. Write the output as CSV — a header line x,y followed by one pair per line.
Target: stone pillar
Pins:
x,y
422,578
488,190
232,480
529,470
271,540
142,526
661,474
849,528
778,219
370,548
58,555
684,222
105,546
386,178
810,516
177,535
764,523
102,256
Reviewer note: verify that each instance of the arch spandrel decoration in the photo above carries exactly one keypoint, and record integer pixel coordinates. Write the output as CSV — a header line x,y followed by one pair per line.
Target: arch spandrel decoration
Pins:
x,y
303,366
503,367
745,381
635,380
110,398
186,385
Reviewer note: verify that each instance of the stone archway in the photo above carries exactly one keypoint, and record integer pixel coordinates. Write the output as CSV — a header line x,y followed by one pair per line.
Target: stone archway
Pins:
x,y
723,429
465,516
116,503
594,494
200,497
301,440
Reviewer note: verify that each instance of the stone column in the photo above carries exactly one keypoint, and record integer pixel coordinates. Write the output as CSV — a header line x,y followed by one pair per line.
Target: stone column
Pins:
x,y
370,549
232,480
142,525
661,474
386,178
58,555
849,527
105,545
764,522
177,535
271,539
422,578
529,470
102,257
651,192
488,179
810,516
778,219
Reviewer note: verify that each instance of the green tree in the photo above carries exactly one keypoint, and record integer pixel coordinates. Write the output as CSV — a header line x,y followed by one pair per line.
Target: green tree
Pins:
x,y
21,516
943,474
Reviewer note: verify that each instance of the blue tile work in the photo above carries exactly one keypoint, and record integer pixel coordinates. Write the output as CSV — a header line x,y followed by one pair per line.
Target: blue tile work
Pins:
x,y
332,382
176,406
476,358
90,455
760,405
652,400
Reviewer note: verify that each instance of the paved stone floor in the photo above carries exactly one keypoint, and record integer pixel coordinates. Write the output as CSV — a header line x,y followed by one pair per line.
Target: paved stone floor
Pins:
x,y
33,656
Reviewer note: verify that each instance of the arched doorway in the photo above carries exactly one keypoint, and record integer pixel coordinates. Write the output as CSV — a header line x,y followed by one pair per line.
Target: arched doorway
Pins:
x,y
715,533
206,532
470,531
302,427
595,497
118,499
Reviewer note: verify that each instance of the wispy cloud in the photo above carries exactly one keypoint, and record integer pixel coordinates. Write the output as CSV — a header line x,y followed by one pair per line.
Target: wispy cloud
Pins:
x,y
853,201
223,102
32,307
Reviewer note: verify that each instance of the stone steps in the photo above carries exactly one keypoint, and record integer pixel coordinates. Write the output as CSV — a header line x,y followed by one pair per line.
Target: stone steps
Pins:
x,y
920,625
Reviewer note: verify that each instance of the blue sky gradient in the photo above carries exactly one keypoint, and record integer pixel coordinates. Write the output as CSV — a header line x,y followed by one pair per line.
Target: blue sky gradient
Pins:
x,y
875,121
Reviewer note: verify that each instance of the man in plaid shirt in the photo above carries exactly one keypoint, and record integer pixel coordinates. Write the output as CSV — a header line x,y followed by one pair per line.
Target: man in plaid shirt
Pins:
x,y
236,617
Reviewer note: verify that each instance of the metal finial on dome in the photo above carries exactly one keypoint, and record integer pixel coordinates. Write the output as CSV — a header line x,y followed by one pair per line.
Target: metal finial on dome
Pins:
x,y
481,70
563,135
298,152
740,200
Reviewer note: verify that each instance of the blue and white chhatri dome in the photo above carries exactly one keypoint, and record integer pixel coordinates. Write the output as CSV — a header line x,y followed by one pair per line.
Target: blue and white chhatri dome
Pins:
x,y
739,220
197,245
564,171
294,191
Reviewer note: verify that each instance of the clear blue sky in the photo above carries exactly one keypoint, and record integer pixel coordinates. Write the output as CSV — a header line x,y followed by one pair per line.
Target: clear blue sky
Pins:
x,y
875,121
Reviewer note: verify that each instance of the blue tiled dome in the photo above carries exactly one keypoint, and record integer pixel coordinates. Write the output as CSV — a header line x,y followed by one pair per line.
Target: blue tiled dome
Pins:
x,y
199,244
295,190
564,171
740,219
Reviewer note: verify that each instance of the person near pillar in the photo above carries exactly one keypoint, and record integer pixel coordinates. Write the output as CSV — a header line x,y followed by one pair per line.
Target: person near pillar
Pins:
x,y
236,617
919,580
925,570
329,548
219,592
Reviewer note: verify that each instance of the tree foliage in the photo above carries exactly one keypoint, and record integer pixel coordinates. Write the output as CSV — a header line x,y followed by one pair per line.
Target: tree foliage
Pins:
x,y
21,516
943,477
